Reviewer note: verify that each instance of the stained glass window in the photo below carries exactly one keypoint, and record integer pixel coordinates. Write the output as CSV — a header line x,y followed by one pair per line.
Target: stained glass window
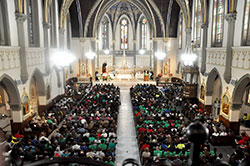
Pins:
x,y
197,22
105,30
218,22
180,32
124,34
143,33
30,22
246,33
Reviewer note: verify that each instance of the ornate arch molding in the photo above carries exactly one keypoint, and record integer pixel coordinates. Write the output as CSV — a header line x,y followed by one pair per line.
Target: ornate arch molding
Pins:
x,y
107,6
158,13
204,11
184,5
240,88
213,75
64,12
46,10
37,74
90,15
11,88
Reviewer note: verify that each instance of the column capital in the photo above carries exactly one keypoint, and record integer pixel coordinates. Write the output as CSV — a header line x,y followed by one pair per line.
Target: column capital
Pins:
x,y
227,77
188,30
61,30
20,17
204,26
46,25
231,17
236,107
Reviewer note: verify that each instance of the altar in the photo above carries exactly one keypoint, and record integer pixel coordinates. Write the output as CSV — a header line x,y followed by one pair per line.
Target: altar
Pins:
x,y
125,74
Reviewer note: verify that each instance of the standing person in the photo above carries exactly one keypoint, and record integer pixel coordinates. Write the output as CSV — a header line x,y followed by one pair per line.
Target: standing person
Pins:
x,y
96,76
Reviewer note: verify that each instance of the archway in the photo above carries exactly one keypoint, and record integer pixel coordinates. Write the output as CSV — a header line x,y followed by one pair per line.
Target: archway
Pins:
x,y
241,96
214,91
9,101
36,89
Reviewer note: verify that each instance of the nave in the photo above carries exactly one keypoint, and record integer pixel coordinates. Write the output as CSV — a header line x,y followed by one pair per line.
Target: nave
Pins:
x,y
108,124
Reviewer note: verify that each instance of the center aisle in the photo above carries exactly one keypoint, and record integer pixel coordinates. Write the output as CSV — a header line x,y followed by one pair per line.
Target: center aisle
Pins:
x,y
127,146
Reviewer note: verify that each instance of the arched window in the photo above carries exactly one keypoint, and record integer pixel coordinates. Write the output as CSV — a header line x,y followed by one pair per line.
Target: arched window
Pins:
x,y
124,34
218,23
180,32
4,30
197,23
143,33
246,32
105,34
33,28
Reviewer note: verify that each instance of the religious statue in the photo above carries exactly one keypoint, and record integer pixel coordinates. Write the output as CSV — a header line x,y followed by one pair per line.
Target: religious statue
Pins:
x,y
104,67
225,102
25,103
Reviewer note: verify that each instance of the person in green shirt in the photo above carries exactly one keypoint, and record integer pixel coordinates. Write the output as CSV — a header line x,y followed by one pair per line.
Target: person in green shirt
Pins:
x,y
112,145
93,147
157,152
91,139
102,145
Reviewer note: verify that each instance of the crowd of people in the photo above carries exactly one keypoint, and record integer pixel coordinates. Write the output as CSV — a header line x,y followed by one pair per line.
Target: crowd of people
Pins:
x,y
88,130
161,126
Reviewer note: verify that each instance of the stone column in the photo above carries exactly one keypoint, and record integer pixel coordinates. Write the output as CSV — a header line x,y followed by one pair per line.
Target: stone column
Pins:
x,y
134,45
113,54
93,48
151,55
46,27
188,38
203,48
155,58
61,38
20,18
97,56
230,18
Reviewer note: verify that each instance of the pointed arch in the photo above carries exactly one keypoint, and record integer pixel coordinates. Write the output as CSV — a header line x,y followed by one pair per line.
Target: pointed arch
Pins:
x,y
38,76
213,75
11,88
240,88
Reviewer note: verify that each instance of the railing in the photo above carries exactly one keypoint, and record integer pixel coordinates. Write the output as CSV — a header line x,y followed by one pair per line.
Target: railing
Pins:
x,y
127,52
34,56
216,56
241,57
9,58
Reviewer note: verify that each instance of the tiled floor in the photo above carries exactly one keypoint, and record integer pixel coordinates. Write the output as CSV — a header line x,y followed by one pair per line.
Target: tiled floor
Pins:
x,y
127,146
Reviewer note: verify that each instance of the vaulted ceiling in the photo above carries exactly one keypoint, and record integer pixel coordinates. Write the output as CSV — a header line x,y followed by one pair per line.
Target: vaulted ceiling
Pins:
x,y
161,14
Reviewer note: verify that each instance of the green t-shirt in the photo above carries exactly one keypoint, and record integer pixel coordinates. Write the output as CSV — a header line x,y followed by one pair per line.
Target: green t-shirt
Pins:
x,y
93,147
109,162
111,145
158,153
102,146
91,139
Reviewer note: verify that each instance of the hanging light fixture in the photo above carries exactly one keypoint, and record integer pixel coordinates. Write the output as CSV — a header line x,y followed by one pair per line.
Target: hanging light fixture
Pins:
x,y
160,55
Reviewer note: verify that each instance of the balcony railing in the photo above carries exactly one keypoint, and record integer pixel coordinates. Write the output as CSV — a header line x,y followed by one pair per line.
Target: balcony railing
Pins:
x,y
34,56
216,56
9,57
241,57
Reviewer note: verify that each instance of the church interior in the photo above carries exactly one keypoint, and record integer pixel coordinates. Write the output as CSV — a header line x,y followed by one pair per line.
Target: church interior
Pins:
x,y
125,82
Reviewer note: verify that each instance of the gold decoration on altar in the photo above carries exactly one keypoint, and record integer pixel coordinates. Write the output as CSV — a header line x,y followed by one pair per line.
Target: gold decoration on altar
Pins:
x,y
25,102
167,66
226,102
202,91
